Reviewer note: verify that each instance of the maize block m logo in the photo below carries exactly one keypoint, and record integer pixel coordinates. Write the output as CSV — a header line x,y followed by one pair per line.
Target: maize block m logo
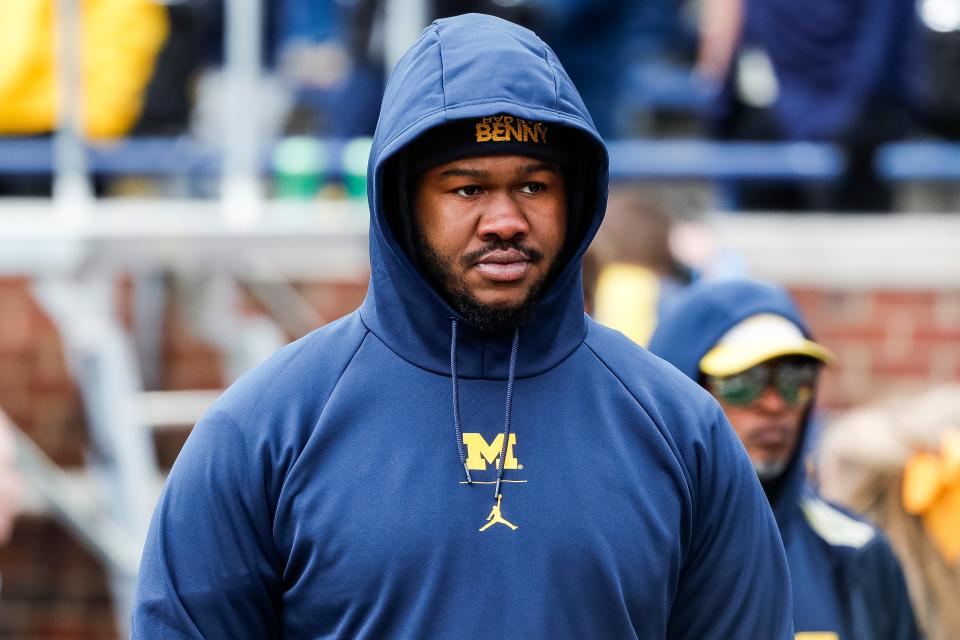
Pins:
x,y
479,453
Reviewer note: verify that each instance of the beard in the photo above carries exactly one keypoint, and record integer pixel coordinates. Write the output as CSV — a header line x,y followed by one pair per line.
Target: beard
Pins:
x,y
486,318
770,470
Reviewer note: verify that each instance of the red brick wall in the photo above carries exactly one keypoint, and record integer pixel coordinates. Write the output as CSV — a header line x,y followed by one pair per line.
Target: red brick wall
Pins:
x,y
189,362
35,388
52,588
885,341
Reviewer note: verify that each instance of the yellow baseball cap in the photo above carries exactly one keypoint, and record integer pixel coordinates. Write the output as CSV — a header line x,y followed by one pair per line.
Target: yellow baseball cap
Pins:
x,y
757,339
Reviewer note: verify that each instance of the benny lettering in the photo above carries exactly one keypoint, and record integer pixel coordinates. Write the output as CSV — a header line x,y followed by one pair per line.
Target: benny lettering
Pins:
x,y
505,128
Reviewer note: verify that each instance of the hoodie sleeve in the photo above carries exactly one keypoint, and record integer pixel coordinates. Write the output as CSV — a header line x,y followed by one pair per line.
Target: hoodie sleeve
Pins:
x,y
734,582
209,568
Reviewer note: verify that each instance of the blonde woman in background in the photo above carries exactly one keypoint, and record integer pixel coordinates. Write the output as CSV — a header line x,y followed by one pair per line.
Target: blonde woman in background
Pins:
x,y
898,463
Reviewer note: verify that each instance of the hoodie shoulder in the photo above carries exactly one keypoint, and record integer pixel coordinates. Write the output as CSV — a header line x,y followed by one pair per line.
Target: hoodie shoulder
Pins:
x,y
687,417
660,388
264,420
733,540
296,379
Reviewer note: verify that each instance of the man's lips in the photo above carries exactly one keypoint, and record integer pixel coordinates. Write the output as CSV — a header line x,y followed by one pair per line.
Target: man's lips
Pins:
x,y
770,436
503,265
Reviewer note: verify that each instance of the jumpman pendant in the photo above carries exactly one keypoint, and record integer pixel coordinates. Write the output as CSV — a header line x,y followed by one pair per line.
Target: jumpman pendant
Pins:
x,y
496,517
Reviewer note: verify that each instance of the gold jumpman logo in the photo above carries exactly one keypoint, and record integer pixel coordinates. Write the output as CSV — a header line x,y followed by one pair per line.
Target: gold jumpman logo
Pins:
x,y
495,517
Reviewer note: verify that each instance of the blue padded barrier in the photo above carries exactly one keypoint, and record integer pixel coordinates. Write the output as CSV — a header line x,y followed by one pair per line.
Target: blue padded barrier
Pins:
x,y
683,159
701,159
919,161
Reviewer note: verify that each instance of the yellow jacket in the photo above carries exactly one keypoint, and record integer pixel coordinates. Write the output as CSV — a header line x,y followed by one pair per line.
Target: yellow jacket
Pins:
x,y
120,43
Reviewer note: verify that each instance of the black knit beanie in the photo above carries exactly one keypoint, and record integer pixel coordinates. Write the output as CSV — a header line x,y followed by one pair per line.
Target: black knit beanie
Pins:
x,y
491,135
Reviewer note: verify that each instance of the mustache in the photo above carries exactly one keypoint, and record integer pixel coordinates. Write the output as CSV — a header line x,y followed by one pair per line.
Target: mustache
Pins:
x,y
531,254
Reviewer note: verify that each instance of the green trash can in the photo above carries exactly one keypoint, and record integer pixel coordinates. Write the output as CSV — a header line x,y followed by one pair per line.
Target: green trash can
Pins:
x,y
300,166
356,153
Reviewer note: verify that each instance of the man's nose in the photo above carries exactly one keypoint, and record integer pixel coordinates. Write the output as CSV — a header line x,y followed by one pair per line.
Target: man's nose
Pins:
x,y
771,401
502,219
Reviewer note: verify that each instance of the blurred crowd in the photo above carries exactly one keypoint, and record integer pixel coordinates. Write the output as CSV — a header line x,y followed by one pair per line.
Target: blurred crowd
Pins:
x,y
850,74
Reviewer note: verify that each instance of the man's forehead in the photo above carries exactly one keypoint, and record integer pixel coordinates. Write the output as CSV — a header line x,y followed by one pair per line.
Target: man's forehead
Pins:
x,y
482,166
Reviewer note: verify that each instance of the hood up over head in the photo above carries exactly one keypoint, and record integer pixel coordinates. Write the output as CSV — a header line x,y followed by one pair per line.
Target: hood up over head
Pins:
x,y
464,70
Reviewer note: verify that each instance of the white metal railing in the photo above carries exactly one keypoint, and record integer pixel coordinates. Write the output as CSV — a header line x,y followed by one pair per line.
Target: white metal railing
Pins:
x,y
74,248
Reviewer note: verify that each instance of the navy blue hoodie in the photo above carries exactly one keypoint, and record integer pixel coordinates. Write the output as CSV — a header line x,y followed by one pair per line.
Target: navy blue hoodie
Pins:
x,y
845,577
323,496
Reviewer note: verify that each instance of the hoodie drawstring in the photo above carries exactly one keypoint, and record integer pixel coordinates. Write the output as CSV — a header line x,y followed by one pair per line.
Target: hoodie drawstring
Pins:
x,y
511,376
456,399
508,411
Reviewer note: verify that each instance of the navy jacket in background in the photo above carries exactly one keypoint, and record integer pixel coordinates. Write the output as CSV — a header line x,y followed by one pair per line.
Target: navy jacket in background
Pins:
x,y
322,496
833,59
845,577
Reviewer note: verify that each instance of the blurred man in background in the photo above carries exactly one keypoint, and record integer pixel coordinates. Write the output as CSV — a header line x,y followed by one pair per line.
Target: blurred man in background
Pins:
x,y
577,487
637,273
118,42
820,70
332,55
746,343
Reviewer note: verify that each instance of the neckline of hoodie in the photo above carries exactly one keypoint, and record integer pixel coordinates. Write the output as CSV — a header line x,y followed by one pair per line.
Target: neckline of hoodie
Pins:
x,y
575,345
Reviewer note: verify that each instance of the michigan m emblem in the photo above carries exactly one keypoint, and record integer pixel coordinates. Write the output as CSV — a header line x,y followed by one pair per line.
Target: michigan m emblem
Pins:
x,y
479,453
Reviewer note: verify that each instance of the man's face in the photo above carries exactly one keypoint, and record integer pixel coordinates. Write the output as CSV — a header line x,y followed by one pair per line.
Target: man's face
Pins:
x,y
770,426
490,229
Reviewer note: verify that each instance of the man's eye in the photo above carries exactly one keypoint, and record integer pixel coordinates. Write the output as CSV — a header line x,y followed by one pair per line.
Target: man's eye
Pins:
x,y
468,191
533,187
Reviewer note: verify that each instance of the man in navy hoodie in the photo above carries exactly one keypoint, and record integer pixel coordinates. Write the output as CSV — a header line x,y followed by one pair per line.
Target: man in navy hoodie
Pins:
x,y
468,455
746,343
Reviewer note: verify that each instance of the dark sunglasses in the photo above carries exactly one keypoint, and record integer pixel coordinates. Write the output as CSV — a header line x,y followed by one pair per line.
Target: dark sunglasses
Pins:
x,y
793,378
